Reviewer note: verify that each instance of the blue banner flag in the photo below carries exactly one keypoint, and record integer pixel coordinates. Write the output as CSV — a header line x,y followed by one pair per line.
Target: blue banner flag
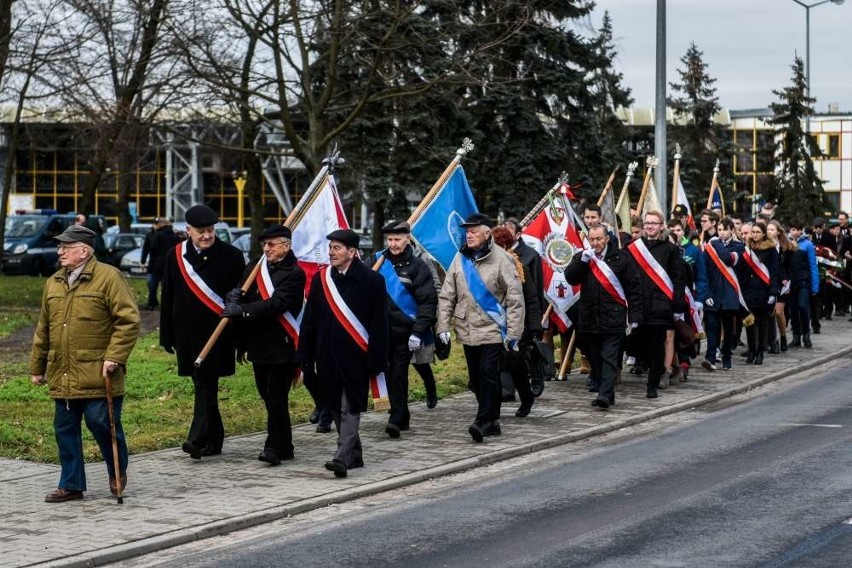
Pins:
x,y
438,229
715,200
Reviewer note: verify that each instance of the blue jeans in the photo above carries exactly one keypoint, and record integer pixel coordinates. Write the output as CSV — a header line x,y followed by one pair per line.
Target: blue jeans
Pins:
x,y
67,419
800,310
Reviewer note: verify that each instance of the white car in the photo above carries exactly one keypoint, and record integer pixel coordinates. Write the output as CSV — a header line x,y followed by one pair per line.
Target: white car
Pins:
x,y
131,263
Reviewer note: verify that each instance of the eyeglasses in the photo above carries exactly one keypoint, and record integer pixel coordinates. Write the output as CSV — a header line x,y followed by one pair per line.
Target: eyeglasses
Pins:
x,y
652,223
274,243
61,248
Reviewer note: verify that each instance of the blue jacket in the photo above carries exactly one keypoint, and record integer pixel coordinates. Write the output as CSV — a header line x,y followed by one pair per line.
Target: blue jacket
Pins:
x,y
711,283
805,245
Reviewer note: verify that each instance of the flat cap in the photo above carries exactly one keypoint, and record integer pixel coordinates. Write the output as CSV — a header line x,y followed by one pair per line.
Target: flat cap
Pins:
x,y
346,236
477,219
201,216
396,228
680,210
275,231
818,222
77,234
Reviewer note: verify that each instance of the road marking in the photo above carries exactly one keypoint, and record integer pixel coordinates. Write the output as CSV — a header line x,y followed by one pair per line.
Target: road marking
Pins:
x,y
814,425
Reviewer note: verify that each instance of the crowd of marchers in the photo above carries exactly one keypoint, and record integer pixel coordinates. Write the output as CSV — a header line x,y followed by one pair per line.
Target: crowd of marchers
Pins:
x,y
658,299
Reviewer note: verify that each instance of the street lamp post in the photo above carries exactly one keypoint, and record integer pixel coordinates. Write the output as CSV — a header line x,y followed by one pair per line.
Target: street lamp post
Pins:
x,y
807,8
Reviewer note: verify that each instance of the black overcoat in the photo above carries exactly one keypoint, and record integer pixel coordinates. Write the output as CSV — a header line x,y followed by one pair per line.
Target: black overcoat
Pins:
x,y
185,322
260,332
755,292
341,365
654,307
417,279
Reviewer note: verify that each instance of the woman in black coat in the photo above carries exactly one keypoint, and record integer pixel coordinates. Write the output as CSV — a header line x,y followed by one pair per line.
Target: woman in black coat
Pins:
x,y
761,283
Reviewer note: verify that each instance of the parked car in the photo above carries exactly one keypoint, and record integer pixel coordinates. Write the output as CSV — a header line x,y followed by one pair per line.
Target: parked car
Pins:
x,y
28,245
136,228
119,244
243,243
131,263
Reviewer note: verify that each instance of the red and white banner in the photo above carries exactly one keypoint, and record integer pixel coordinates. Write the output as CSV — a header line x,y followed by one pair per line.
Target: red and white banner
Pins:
x,y
324,215
265,287
556,237
681,199
195,283
694,313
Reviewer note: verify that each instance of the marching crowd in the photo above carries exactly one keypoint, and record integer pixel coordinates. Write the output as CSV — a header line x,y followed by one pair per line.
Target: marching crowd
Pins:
x,y
647,298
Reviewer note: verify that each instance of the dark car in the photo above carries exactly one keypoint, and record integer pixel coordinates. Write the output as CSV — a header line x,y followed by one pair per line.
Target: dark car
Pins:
x,y
28,246
119,244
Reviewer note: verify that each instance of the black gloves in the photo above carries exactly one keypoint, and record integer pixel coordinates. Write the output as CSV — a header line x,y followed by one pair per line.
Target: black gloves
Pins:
x,y
232,310
234,296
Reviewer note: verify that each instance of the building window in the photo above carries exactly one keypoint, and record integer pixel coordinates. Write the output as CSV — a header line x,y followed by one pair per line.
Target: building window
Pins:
x,y
765,151
833,197
744,158
832,147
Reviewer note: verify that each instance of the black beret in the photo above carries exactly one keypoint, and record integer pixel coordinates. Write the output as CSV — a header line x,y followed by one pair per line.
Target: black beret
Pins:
x,y
477,219
273,231
201,216
680,210
346,236
396,228
77,234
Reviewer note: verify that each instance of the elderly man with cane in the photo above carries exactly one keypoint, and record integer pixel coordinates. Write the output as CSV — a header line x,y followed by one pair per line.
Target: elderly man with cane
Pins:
x,y
88,326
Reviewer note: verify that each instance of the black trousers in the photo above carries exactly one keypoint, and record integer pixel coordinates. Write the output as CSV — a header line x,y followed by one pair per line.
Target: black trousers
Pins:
x,y
483,370
206,430
425,372
517,364
758,334
651,344
397,380
604,352
273,385
720,329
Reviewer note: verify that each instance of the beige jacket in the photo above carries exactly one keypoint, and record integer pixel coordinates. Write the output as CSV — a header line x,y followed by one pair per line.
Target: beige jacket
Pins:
x,y
458,309
96,319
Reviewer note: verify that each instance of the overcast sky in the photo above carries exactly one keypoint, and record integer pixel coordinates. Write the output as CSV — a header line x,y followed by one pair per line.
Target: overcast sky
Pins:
x,y
749,46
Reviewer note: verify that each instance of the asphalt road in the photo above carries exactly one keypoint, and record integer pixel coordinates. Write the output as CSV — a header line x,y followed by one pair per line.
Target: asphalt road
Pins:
x,y
763,480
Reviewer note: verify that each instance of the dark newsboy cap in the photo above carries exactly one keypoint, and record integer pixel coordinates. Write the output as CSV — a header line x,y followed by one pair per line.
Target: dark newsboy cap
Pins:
x,y
818,222
346,236
201,216
477,219
77,234
276,231
396,228
680,210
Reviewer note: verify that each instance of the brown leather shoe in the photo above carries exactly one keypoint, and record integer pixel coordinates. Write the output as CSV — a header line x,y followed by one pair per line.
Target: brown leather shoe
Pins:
x,y
112,488
61,495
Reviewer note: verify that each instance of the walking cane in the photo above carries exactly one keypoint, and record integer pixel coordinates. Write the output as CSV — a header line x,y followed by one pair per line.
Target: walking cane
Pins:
x,y
115,464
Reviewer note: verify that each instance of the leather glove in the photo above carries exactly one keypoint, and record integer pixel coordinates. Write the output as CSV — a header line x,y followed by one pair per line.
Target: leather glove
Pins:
x,y
587,255
771,300
234,296
510,344
232,310
679,317
414,343
709,302
169,349
444,337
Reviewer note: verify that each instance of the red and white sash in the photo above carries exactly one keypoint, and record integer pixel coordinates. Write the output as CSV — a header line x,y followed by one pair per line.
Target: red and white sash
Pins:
x,y
756,266
726,271
265,287
608,280
651,267
355,329
195,283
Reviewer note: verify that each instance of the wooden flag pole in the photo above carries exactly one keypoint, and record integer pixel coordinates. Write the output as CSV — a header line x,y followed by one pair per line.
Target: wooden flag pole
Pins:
x,y
607,186
713,184
650,164
675,176
292,221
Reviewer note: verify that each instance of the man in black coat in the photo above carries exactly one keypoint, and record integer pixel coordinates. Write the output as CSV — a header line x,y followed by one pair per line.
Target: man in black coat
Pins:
x,y
344,339
157,244
198,275
267,316
412,306
607,280
661,280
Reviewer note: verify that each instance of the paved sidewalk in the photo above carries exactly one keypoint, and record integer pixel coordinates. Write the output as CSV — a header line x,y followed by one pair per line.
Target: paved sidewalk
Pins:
x,y
171,499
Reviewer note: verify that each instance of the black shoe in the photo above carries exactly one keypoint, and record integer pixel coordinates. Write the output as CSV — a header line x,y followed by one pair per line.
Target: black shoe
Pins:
x,y
431,401
524,410
783,344
797,341
751,357
314,417
476,432
537,387
193,451
601,403
806,340
775,348
652,393
338,467
492,429
207,451
392,430
758,358
747,354
323,428
270,457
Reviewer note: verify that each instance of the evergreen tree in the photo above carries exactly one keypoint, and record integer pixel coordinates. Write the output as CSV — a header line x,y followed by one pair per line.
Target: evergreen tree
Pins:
x,y
702,140
796,188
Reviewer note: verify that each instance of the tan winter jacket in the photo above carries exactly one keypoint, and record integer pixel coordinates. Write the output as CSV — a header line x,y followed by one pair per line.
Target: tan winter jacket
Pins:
x,y
96,319
457,307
